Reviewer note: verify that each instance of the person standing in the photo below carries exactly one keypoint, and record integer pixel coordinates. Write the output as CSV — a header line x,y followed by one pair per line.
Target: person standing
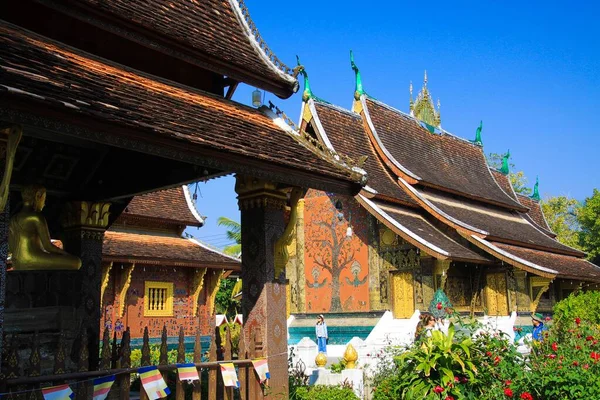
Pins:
x,y
538,326
321,332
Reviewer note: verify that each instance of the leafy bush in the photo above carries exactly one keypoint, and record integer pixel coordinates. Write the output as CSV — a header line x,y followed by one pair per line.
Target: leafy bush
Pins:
x,y
338,367
582,305
136,356
321,392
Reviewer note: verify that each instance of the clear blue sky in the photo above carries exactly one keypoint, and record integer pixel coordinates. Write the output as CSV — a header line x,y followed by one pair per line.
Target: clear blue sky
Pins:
x,y
529,70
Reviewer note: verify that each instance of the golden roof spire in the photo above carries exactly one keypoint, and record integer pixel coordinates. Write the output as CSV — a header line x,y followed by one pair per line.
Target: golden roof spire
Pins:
x,y
423,107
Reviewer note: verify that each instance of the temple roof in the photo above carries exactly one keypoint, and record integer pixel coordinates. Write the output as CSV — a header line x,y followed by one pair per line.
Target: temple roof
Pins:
x,y
344,131
491,222
50,77
163,250
218,34
170,205
566,266
410,225
504,183
443,161
535,212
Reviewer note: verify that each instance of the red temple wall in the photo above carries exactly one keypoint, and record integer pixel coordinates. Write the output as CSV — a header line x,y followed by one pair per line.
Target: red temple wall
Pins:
x,y
133,316
336,265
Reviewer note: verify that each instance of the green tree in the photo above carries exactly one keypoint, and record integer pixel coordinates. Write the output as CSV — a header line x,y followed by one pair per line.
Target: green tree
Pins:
x,y
589,221
224,303
234,232
561,212
517,179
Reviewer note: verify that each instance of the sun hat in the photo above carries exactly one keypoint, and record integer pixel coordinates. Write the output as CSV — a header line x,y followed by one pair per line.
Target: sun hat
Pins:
x,y
537,317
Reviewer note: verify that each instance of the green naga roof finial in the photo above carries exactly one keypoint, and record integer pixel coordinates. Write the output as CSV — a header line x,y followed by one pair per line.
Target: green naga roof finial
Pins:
x,y
536,190
505,168
307,94
358,89
478,140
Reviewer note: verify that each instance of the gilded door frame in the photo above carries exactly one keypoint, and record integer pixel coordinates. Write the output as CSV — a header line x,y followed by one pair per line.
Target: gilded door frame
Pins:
x,y
402,308
496,294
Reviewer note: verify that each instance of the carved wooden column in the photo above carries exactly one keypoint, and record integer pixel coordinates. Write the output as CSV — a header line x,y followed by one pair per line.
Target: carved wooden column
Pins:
x,y
84,225
264,294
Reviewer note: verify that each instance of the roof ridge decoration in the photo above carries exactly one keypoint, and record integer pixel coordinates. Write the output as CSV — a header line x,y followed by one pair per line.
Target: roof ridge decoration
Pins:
x,y
423,109
211,248
358,86
536,191
505,168
314,145
190,204
307,94
258,42
478,140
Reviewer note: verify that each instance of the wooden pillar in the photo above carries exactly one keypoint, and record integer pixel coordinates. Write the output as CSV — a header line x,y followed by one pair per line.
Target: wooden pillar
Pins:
x,y
84,225
4,220
264,294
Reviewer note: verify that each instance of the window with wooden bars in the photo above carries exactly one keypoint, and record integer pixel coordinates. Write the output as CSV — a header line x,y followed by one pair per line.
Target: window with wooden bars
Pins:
x,y
158,299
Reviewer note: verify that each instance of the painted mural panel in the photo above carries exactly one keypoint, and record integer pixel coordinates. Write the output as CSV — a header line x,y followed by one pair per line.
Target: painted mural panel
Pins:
x,y
336,258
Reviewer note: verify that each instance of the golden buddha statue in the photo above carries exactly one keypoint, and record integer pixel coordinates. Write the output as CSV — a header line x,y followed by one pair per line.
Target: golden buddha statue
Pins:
x,y
29,238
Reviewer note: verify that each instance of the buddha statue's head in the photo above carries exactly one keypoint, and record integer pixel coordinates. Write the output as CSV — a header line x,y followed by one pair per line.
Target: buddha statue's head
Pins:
x,y
34,196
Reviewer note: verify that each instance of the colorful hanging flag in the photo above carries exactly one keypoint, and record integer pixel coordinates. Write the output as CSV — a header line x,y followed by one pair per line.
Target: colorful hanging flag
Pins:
x,y
102,387
153,383
187,372
261,366
229,375
61,392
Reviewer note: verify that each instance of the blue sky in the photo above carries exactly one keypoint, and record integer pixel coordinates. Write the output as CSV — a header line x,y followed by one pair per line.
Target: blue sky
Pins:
x,y
529,70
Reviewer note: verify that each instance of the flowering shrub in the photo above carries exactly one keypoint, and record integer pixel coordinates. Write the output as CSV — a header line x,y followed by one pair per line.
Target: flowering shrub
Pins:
x,y
576,309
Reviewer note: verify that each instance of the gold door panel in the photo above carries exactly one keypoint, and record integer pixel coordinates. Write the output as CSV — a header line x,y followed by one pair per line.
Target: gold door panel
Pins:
x,y
403,304
496,297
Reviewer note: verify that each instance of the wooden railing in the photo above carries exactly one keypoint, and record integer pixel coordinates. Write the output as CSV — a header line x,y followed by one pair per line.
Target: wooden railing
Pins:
x,y
115,359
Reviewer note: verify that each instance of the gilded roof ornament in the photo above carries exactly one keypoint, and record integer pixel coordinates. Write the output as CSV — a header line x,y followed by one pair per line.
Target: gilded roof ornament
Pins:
x,y
478,140
307,93
423,108
411,103
536,190
358,88
505,169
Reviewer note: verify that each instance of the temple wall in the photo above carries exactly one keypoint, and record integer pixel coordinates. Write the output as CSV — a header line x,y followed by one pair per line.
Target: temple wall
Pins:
x,y
336,266
133,311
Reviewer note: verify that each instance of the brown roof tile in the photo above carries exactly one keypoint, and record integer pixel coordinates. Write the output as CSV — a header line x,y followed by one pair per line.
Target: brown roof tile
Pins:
x,y
504,183
567,266
214,29
535,211
163,250
42,71
497,222
419,226
345,131
445,161
165,205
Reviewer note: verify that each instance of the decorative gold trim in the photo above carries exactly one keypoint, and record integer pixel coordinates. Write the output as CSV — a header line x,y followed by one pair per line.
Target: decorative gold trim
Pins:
x,y
14,134
197,285
166,300
441,268
85,214
125,282
105,277
258,193
213,288
281,245
543,284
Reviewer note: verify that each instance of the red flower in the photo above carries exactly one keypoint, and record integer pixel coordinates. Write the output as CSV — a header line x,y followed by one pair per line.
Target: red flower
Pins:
x,y
488,353
576,363
456,379
547,319
497,360
552,356
507,383
577,320
554,346
526,396
578,347
595,356
585,366
464,379
439,306
438,389
449,398
589,338
508,392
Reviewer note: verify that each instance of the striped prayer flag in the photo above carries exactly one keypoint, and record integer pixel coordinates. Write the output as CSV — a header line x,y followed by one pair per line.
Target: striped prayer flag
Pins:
x,y
61,392
261,366
153,383
229,375
187,372
102,387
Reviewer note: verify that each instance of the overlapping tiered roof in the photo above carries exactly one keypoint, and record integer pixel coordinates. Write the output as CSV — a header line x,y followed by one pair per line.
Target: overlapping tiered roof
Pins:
x,y
149,232
449,178
49,77
216,34
342,131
